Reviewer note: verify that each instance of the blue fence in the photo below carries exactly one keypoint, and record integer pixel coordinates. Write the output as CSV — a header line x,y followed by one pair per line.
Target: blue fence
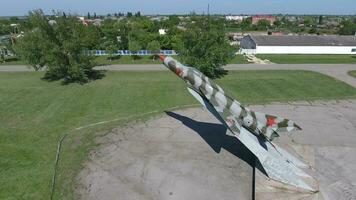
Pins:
x,y
130,53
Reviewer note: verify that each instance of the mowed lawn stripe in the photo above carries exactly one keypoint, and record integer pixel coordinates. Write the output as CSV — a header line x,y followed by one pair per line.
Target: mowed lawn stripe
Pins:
x,y
34,114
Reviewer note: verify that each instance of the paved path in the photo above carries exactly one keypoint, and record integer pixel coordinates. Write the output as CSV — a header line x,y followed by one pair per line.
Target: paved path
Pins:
x,y
338,71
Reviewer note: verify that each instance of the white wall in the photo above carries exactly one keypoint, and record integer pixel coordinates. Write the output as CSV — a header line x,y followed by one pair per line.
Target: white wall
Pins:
x,y
304,50
246,51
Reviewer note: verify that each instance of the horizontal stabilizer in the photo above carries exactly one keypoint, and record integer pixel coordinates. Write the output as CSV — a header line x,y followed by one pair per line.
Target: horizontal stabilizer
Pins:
x,y
275,123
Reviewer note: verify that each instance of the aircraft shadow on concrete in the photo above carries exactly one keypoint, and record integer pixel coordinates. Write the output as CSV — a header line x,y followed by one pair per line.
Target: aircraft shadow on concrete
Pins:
x,y
215,135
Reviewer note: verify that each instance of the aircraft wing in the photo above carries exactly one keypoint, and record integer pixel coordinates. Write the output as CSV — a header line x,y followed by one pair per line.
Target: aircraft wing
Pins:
x,y
224,117
277,163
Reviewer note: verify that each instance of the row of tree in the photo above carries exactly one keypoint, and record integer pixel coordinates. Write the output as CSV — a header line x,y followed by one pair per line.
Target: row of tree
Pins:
x,y
200,41
140,33
348,27
119,14
59,46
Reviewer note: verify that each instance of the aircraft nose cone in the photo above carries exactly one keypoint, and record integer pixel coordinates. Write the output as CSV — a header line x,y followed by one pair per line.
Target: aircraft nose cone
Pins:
x,y
162,57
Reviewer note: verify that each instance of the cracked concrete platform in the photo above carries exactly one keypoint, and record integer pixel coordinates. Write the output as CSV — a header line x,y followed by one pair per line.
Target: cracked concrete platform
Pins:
x,y
187,154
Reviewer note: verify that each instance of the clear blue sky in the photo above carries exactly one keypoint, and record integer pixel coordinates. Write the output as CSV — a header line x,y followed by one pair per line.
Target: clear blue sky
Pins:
x,y
20,7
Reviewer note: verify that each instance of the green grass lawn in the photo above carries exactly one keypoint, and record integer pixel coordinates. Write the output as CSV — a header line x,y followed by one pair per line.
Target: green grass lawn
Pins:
x,y
34,114
309,59
352,73
239,59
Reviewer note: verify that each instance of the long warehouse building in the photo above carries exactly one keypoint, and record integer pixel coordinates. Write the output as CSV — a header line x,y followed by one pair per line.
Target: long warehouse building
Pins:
x,y
298,44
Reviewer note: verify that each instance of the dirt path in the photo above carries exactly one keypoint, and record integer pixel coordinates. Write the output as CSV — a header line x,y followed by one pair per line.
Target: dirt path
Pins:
x,y
188,155
253,59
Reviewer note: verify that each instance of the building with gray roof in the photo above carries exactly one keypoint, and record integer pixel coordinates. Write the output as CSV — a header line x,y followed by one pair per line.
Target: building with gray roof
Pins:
x,y
298,44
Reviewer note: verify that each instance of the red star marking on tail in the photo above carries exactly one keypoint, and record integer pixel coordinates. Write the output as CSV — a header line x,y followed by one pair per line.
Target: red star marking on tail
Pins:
x,y
271,121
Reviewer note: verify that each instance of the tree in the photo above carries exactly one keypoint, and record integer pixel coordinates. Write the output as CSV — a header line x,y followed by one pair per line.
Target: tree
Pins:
x,y
31,48
2,55
111,49
321,19
109,32
88,16
60,47
138,14
14,20
134,47
246,23
313,31
5,29
172,21
124,30
309,21
263,24
348,28
154,47
177,42
277,23
206,47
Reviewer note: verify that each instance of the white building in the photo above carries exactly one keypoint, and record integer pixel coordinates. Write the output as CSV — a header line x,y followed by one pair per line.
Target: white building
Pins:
x,y
303,44
236,17
162,31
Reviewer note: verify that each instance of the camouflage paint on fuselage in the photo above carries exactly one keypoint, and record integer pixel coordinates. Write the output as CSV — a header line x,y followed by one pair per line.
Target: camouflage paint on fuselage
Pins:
x,y
235,114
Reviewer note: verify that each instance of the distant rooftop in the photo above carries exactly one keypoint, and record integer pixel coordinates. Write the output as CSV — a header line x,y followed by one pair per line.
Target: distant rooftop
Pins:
x,y
303,40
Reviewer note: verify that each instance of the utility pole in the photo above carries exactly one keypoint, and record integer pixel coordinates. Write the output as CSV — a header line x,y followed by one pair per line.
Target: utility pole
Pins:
x,y
208,9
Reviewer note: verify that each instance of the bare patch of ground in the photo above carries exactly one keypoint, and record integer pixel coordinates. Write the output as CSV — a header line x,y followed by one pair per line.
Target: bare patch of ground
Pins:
x,y
253,59
188,155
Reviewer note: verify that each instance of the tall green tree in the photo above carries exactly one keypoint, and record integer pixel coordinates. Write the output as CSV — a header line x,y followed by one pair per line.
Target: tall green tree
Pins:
x,y
134,47
277,23
124,29
246,23
321,19
263,24
111,49
348,28
206,47
2,54
138,14
154,46
60,47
